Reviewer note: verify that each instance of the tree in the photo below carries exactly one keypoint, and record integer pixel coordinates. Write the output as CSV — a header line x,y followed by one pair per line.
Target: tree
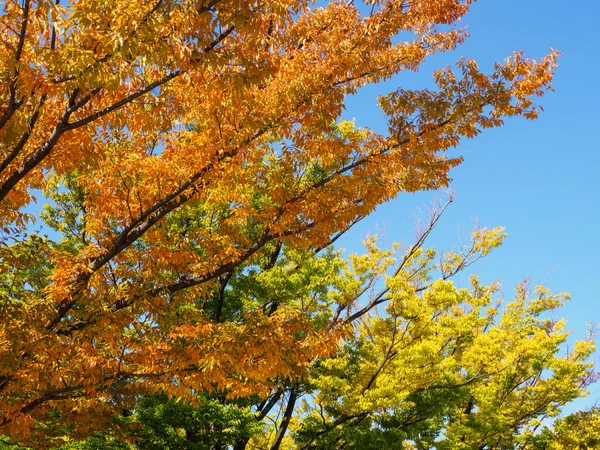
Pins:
x,y
176,143
434,366
577,431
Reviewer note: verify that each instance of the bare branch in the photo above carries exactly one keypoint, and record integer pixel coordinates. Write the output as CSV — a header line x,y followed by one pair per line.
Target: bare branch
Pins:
x,y
380,296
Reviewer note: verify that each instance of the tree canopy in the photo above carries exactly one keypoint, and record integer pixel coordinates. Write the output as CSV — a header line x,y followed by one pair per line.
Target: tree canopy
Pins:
x,y
177,145
427,364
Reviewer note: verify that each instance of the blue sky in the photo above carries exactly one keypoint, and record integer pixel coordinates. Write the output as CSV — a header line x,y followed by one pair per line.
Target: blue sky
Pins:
x,y
539,179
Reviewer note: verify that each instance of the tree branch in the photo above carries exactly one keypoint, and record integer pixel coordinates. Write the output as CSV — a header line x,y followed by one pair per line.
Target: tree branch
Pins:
x,y
380,296
285,421
26,135
44,149
13,104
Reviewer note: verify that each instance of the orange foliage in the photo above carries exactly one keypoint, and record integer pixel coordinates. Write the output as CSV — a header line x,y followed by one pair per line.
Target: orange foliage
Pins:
x,y
220,111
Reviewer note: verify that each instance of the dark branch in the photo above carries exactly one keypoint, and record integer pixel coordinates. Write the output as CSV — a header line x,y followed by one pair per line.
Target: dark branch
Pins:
x,y
26,135
287,416
13,103
380,296
44,150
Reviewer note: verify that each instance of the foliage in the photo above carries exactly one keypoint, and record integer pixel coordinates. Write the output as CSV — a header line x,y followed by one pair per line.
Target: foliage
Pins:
x,y
178,145
427,364
579,431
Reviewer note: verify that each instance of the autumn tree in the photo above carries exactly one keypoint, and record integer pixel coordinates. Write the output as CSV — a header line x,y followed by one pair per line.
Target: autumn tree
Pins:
x,y
174,143
425,363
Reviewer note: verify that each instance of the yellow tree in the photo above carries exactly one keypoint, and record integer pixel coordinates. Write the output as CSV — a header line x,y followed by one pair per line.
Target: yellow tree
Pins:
x,y
190,138
446,367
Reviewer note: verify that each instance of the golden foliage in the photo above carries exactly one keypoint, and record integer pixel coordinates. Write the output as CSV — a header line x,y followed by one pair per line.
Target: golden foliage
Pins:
x,y
191,136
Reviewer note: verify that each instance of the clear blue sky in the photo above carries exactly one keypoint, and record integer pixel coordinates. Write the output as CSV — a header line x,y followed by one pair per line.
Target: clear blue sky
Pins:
x,y
539,179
